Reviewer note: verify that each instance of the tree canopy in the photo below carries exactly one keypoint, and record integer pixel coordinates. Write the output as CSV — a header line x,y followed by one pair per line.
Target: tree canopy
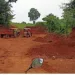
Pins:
x,y
69,13
64,25
52,22
12,0
5,13
33,14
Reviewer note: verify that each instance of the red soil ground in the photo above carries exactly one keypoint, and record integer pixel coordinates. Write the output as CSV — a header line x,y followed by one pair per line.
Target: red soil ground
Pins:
x,y
58,52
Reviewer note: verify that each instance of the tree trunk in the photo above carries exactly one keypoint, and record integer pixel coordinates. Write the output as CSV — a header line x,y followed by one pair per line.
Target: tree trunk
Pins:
x,y
33,22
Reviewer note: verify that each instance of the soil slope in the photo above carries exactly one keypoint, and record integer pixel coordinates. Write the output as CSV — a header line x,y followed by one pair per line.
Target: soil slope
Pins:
x,y
58,52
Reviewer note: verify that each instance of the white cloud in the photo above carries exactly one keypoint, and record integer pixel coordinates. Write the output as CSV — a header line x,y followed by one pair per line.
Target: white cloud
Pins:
x,y
45,7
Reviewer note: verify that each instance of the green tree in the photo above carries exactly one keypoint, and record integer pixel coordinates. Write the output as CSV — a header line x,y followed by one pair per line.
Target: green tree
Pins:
x,y
69,16
33,14
5,13
52,23
12,0
69,13
23,22
64,29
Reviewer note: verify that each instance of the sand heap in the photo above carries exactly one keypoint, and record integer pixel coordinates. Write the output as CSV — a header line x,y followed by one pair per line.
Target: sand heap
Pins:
x,y
37,29
58,46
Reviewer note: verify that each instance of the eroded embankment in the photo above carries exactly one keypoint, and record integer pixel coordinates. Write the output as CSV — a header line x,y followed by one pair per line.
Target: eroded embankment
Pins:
x,y
55,45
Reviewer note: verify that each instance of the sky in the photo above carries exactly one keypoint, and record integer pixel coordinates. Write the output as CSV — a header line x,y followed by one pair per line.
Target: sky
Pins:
x,y
45,7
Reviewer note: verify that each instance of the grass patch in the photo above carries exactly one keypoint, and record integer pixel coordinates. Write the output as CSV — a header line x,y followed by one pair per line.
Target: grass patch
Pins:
x,y
22,25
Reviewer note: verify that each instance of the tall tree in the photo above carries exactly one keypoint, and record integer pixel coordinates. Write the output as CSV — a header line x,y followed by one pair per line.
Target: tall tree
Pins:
x,y
33,14
69,13
5,13
52,22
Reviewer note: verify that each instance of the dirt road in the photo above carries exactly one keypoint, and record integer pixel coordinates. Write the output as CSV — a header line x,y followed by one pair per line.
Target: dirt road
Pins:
x,y
14,57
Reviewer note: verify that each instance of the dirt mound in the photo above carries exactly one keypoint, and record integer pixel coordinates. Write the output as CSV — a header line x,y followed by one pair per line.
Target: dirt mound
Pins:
x,y
50,37
40,39
53,37
37,29
57,46
57,38
50,50
72,34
